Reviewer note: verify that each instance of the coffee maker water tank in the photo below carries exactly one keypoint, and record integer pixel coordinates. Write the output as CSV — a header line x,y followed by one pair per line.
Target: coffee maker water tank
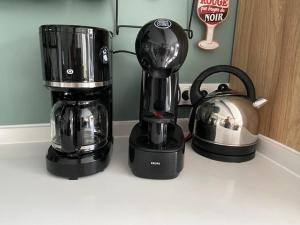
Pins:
x,y
75,56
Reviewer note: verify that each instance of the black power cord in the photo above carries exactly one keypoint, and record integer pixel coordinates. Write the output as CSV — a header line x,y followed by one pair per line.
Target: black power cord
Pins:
x,y
123,51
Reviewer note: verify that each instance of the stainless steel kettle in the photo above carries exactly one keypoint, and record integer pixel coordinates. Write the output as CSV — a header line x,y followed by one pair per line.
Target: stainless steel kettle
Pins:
x,y
225,123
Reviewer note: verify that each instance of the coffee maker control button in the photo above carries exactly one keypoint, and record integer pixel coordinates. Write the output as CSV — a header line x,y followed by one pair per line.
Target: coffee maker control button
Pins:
x,y
104,55
105,59
70,71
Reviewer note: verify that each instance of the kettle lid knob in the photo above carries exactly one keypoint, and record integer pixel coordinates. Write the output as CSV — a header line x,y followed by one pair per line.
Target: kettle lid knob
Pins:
x,y
223,87
203,93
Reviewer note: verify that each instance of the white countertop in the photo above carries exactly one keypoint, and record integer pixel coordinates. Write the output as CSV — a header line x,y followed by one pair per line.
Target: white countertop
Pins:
x,y
206,192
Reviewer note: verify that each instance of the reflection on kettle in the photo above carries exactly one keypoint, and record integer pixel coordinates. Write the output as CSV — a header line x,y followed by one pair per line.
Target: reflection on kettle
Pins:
x,y
229,123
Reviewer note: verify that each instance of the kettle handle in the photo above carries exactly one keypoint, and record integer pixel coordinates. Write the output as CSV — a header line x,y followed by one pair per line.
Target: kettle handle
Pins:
x,y
196,94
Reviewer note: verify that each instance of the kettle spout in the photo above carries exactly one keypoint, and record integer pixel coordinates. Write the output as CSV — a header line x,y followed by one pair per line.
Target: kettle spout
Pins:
x,y
260,102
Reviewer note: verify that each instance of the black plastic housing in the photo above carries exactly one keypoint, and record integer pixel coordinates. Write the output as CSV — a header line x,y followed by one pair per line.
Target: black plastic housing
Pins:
x,y
148,161
75,166
73,53
161,47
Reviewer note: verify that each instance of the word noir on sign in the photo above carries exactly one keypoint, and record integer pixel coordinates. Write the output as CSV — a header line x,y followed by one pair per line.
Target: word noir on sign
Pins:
x,y
212,13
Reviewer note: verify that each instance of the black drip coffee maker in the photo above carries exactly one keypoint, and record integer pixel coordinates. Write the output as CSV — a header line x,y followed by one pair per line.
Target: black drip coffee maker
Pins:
x,y
156,145
76,65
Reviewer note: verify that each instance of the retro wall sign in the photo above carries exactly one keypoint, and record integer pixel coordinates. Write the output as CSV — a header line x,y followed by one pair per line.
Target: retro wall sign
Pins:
x,y
212,13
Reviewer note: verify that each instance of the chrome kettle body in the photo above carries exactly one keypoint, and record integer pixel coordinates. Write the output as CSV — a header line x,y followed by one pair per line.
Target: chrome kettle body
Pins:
x,y
225,123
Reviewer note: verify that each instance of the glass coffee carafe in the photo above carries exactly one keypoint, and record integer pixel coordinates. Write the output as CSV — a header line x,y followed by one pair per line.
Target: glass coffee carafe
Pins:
x,y
78,126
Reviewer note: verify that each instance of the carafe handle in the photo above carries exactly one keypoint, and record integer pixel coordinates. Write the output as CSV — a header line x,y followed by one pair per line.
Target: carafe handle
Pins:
x,y
67,130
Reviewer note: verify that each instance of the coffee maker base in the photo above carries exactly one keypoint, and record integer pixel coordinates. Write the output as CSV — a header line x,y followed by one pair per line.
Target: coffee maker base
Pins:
x,y
147,162
73,167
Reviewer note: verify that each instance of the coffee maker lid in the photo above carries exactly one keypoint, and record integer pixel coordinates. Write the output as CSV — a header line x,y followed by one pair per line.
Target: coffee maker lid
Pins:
x,y
70,28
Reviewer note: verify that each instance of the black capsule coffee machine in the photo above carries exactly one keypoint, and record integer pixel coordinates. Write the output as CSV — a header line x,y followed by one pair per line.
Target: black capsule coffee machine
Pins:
x,y
156,145
76,65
